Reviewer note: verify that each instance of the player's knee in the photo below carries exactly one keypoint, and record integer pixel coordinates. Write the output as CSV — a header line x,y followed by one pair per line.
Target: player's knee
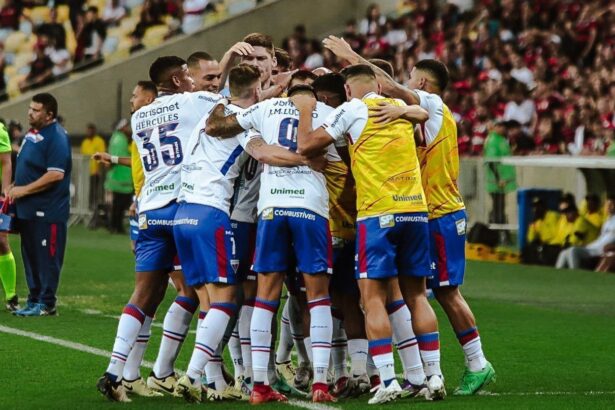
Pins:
x,y
449,297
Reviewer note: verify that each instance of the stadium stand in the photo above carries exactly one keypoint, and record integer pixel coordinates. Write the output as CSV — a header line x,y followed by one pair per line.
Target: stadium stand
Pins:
x,y
72,36
545,67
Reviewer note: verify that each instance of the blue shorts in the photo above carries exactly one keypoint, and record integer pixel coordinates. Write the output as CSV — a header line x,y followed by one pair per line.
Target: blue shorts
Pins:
x,y
343,279
204,239
281,231
448,249
134,227
155,246
245,242
391,245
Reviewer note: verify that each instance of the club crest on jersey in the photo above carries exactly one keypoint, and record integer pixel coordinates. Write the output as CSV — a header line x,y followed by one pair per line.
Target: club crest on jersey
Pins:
x,y
142,221
235,264
461,227
267,214
386,221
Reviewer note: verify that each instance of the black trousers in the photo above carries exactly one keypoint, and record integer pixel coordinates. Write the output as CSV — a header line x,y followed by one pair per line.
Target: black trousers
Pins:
x,y
498,212
119,205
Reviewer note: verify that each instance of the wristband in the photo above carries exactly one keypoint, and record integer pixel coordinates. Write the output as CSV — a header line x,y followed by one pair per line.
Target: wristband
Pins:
x,y
114,159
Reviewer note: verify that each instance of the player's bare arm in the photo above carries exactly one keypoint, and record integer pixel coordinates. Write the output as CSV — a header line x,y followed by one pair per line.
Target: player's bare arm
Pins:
x,y
281,157
385,113
108,159
280,83
230,58
342,49
219,125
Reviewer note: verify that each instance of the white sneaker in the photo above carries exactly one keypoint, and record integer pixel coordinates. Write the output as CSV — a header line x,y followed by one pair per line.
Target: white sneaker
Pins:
x,y
386,394
435,384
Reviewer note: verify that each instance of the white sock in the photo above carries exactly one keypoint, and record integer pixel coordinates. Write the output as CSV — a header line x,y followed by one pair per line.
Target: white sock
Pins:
x,y
174,329
208,338
321,330
245,317
429,346
357,350
260,336
234,347
132,369
339,349
214,374
372,370
405,342
202,314
285,342
128,328
382,353
472,349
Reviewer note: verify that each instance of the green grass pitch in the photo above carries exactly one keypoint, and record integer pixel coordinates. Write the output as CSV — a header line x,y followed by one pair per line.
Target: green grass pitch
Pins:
x,y
550,335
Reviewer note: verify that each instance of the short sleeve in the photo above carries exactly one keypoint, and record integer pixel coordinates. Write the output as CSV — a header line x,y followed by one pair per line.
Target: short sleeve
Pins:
x,y
58,153
247,136
253,117
338,122
204,101
427,100
5,141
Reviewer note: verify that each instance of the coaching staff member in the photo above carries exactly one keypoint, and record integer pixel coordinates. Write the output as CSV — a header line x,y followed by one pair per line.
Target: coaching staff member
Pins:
x,y
41,195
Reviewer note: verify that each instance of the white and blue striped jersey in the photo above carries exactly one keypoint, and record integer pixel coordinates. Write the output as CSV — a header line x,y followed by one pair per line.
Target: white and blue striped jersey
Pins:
x,y
211,166
276,121
161,131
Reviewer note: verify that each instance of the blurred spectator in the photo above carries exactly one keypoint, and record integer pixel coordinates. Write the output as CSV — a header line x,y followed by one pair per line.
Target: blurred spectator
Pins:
x,y
194,10
10,14
3,95
41,70
91,144
372,22
521,108
314,55
114,12
501,179
53,30
119,177
61,59
542,247
578,257
90,38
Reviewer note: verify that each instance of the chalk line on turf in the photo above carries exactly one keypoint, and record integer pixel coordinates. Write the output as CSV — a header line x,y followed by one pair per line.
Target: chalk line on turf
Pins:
x,y
103,353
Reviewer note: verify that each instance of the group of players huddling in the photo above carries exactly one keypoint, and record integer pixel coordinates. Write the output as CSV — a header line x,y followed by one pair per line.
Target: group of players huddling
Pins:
x,y
335,186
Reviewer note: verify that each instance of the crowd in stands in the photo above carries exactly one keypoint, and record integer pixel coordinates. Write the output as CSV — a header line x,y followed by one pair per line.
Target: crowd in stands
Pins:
x,y
42,41
545,68
572,237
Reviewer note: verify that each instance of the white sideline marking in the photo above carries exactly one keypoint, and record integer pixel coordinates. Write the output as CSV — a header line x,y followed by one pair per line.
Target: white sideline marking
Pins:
x,y
95,312
103,353
548,393
64,343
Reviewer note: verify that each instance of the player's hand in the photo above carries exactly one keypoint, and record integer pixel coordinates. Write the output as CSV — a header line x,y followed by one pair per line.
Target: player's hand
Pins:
x,y
283,79
16,192
132,211
318,163
241,49
102,157
385,113
304,102
340,48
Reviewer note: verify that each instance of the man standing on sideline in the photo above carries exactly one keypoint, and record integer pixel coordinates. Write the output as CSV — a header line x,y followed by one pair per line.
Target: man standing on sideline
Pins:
x,y
119,177
91,144
42,199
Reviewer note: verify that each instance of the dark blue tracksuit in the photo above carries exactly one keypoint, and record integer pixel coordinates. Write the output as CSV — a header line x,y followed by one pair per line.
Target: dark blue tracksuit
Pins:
x,y
42,217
